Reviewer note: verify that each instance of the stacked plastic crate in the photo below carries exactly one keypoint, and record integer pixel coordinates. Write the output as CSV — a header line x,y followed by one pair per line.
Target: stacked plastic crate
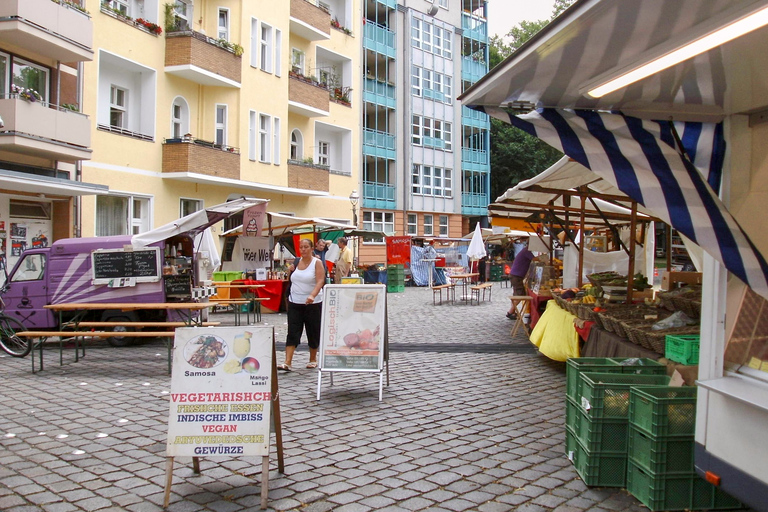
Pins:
x,y
660,472
395,279
597,407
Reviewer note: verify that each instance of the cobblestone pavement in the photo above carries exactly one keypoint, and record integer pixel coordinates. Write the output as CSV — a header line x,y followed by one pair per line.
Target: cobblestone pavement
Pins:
x,y
471,420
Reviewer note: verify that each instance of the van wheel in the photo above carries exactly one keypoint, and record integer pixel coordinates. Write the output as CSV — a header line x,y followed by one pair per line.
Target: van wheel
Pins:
x,y
119,341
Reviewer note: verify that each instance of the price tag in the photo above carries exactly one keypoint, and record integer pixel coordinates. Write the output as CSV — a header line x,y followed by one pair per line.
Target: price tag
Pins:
x,y
585,404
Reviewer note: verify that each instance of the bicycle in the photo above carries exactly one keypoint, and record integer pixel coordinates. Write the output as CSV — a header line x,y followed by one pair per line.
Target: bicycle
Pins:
x,y
9,326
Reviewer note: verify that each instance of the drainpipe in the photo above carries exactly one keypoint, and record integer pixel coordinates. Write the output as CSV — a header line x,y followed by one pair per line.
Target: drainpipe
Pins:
x,y
407,153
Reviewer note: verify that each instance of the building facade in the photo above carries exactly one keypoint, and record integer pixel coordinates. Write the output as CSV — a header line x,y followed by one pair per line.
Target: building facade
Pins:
x,y
426,163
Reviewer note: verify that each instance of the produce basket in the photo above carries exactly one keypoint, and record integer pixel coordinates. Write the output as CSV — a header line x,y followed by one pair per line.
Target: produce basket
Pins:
x,y
597,469
575,366
682,349
661,454
656,340
686,299
560,301
663,411
606,395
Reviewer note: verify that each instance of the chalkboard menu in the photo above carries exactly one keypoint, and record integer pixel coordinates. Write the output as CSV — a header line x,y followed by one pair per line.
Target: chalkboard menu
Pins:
x,y
178,286
111,264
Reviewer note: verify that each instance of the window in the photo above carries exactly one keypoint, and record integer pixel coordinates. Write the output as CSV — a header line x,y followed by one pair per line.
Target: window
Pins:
x,y
189,206
416,33
426,127
276,141
265,136
447,89
31,268
427,82
255,42
379,221
447,50
179,118
118,99
416,81
266,48
30,76
278,51
323,153
443,225
3,74
447,136
120,6
297,145
444,4
297,61
183,14
431,181
428,225
29,209
416,133
426,37
224,24
252,136
412,224
121,215
221,125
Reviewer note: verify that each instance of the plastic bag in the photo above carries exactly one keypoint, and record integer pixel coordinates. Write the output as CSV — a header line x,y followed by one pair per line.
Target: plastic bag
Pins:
x,y
676,319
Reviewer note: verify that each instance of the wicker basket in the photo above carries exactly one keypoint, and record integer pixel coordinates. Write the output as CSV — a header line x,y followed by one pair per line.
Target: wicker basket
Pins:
x,y
560,301
690,307
656,340
636,332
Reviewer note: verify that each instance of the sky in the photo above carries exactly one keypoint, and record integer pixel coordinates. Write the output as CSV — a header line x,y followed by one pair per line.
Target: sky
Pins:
x,y
504,14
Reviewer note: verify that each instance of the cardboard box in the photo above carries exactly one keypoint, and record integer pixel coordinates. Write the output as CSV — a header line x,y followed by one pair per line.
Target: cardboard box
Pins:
x,y
669,280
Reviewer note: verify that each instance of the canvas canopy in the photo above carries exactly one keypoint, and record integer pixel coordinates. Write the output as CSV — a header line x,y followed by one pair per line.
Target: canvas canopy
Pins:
x,y
658,140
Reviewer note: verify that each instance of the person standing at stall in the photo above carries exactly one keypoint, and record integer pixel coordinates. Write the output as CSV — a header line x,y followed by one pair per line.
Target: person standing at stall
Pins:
x,y
517,273
305,303
343,264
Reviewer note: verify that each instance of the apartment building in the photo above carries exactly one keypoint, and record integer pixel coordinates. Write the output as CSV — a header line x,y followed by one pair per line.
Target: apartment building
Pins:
x,y
426,164
195,102
44,137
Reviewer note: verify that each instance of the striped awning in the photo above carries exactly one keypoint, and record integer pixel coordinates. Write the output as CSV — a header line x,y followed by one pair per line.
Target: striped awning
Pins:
x,y
644,159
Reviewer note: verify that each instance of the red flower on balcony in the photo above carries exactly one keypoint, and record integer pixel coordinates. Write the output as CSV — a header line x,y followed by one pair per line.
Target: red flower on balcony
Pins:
x,y
152,27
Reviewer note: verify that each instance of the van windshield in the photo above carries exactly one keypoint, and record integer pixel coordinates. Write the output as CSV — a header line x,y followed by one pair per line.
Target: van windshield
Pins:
x,y
31,268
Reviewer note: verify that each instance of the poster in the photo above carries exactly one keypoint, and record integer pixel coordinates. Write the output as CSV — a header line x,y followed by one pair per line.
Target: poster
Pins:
x,y
220,392
251,253
253,219
353,332
398,250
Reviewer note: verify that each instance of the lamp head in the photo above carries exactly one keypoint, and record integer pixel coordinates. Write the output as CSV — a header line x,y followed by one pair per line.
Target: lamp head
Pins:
x,y
354,197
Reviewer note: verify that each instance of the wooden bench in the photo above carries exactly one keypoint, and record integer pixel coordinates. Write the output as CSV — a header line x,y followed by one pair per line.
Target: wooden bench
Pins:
x,y
77,335
450,292
475,292
144,324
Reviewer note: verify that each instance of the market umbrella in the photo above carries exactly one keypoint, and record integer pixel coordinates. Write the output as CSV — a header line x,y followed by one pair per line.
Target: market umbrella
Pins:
x,y
476,247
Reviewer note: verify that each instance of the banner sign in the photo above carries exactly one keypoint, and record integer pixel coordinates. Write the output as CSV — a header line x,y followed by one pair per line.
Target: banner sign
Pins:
x,y
253,219
353,327
398,250
251,253
220,392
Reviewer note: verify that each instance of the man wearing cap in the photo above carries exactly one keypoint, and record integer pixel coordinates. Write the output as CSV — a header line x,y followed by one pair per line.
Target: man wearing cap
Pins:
x,y
343,264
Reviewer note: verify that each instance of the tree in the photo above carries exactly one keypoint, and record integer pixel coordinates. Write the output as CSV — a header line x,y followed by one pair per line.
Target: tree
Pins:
x,y
515,155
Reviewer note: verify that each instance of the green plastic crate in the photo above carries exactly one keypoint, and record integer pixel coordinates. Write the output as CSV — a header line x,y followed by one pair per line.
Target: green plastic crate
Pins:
x,y
575,366
231,276
682,349
606,395
220,276
395,288
661,454
663,411
570,443
598,469
604,435
676,492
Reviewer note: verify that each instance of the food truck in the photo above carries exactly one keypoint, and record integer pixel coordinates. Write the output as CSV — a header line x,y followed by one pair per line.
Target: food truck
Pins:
x,y
164,265
657,99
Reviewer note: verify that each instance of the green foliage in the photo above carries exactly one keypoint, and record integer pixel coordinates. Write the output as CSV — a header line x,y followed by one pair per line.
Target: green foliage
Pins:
x,y
169,17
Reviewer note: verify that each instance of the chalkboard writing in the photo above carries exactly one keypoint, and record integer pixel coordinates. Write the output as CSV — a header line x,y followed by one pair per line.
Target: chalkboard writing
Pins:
x,y
177,286
113,264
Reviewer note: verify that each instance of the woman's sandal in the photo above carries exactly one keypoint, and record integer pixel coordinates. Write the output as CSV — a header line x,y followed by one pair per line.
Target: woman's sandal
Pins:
x,y
284,367
312,364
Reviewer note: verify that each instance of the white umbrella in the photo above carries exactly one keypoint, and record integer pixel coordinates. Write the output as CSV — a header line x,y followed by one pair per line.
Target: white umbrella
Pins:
x,y
476,247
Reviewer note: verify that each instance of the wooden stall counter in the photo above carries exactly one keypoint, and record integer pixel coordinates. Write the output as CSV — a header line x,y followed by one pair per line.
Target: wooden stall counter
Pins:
x,y
273,290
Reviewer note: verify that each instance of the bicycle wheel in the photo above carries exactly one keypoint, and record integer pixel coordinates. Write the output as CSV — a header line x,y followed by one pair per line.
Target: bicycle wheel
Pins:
x,y
15,346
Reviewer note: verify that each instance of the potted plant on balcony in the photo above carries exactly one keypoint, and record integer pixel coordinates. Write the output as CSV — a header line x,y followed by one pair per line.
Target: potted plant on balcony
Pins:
x,y
153,28
23,93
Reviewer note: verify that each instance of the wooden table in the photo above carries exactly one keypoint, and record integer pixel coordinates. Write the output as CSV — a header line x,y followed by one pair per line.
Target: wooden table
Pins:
x,y
185,311
464,280
248,293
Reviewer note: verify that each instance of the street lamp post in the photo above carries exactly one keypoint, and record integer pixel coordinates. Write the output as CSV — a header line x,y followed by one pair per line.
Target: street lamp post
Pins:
x,y
354,198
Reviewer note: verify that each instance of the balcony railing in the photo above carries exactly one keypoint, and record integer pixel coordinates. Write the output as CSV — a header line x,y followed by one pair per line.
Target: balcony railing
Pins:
x,y
378,38
310,20
473,117
198,156
307,97
44,130
202,59
378,139
380,92
433,142
474,156
474,27
434,95
378,192
60,32
473,69
308,176
474,200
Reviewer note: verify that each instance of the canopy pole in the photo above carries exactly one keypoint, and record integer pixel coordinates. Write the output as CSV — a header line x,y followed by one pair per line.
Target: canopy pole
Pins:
x,y
613,230
669,246
580,281
631,266
272,244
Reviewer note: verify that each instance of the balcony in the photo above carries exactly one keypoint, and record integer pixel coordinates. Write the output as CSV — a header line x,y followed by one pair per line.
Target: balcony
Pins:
x,y
379,92
378,195
474,159
474,204
190,155
380,144
310,21
308,176
471,117
378,38
46,28
36,129
203,60
474,26
306,97
473,69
